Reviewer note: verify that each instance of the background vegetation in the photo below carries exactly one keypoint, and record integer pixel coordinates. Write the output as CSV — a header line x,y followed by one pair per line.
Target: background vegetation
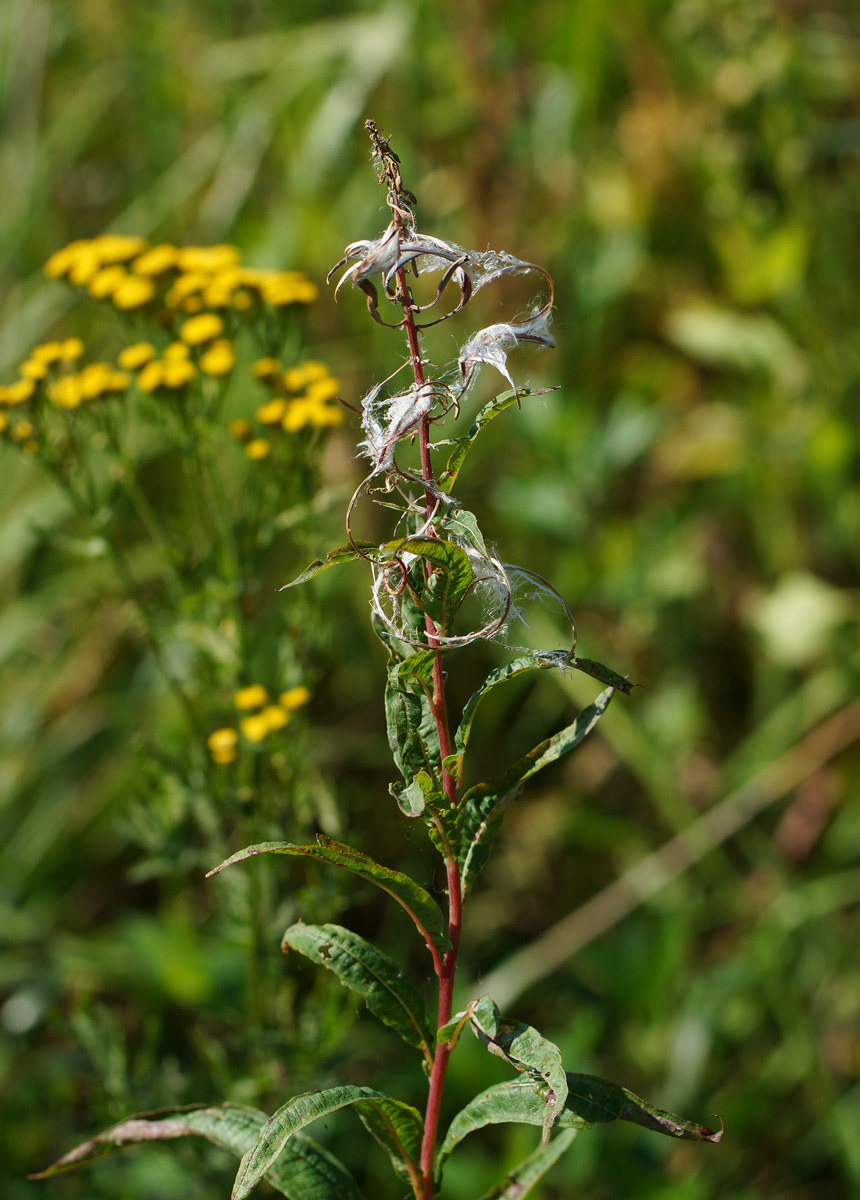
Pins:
x,y
689,171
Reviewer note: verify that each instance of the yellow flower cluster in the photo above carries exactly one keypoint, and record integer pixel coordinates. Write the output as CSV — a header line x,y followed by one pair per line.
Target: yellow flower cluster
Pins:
x,y
301,396
175,368
263,718
132,273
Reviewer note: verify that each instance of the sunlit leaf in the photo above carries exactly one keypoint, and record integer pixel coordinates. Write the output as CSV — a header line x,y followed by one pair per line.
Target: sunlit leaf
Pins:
x,y
334,558
388,992
521,1180
418,903
526,1050
396,1125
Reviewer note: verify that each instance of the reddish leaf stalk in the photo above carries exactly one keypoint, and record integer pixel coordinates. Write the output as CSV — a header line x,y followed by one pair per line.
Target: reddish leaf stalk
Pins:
x,y
448,972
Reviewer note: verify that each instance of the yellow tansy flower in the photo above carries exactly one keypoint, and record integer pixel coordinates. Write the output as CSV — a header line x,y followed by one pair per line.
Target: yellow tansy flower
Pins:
x,y
325,416
178,372
243,300
240,429
254,728
94,380
207,258
133,292
275,717
106,281
65,392
136,356
223,739
192,305
186,285
222,757
219,359
71,349
323,389
20,391
253,696
151,377
174,351
33,369
155,260
299,377
48,352
298,415
201,329
266,368
294,697
271,413
259,448
83,268
118,247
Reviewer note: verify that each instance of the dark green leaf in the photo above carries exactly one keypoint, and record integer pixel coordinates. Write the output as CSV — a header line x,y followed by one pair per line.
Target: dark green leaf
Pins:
x,y
605,674
419,904
388,992
412,733
454,762
597,1100
515,1101
334,558
521,1180
305,1171
398,1124
463,445
527,1051
483,806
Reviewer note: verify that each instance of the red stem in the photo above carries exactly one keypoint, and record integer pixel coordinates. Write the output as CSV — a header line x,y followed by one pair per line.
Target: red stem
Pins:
x,y
448,972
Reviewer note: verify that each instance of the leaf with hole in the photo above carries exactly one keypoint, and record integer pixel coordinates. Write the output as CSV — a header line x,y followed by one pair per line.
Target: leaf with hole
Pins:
x,y
527,1051
387,991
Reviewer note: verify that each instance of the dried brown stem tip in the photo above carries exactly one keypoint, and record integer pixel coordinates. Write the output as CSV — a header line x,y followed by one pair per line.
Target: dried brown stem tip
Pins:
x,y
388,164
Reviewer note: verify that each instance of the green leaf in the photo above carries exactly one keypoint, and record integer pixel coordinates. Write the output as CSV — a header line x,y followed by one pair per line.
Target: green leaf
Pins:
x,y
388,992
412,733
454,762
597,1100
521,1180
418,903
396,1125
605,674
419,795
524,1049
590,1101
463,525
463,445
305,1171
451,577
482,808
515,1101
334,558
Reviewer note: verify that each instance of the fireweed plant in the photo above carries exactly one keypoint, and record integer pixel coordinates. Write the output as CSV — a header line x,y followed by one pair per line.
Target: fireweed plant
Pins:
x,y
420,579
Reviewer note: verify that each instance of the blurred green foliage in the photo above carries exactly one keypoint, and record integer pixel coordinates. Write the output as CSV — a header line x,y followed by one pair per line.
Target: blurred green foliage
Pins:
x,y
689,171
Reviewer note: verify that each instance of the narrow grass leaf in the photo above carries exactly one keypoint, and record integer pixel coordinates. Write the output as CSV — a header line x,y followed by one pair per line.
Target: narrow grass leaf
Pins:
x,y
527,1051
482,807
387,991
418,903
522,1179
305,1171
399,1122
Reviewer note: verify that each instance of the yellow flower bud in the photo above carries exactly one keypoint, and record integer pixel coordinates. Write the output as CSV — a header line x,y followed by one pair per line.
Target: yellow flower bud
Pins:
x,y
294,697
253,696
136,356
201,329
258,449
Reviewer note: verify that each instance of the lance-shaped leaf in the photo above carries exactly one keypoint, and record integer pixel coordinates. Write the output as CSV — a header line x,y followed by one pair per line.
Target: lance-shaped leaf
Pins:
x,y
513,1102
387,991
411,726
605,674
334,558
454,762
417,902
463,445
396,1125
305,1171
527,1051
522,1179
483,806
597,1100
